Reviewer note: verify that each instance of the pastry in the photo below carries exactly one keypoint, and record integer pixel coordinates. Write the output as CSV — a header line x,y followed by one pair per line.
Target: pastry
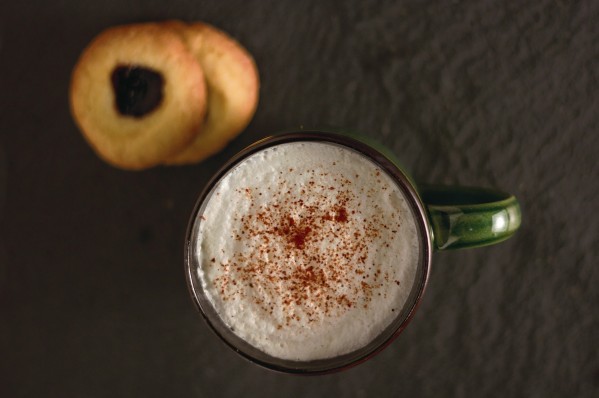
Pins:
x,y
232,88
138,95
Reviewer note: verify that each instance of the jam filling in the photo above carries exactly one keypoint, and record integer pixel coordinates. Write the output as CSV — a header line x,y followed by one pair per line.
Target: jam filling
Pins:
x,y
137,90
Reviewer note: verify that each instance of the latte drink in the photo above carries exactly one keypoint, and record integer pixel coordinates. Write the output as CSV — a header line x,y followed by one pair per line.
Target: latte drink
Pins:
x,y
307,250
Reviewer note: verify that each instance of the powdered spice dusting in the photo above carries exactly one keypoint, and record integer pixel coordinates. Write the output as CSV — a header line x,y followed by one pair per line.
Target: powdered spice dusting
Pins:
x,y
301,250
307,250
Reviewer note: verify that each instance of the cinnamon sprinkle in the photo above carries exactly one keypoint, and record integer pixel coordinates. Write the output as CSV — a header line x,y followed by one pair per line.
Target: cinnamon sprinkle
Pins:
x,y
305,254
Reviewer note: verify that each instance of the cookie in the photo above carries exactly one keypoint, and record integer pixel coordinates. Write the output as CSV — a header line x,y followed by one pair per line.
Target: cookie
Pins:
x,y
232,87
138,95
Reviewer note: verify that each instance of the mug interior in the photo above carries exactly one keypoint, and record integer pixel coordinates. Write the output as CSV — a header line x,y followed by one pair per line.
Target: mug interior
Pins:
x,y
327,365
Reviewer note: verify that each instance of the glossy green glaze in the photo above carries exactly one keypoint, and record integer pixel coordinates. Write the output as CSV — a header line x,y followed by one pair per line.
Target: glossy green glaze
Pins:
x,y
470,217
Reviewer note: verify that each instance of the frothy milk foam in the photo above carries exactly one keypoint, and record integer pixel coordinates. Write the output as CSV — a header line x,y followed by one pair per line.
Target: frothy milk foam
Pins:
x,y
307,250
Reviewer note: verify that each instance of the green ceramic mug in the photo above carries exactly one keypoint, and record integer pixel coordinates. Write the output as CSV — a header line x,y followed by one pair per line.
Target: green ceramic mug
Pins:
x,y
443,217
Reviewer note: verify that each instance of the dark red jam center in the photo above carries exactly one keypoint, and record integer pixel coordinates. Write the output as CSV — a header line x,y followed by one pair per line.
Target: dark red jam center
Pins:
x,y
137,90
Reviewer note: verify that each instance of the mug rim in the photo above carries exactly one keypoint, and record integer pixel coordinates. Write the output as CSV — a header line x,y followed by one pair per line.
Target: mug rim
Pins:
x,y
412,197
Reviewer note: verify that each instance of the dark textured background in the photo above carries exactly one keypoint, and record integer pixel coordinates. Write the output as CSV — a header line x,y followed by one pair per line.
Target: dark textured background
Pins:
x,y
93,300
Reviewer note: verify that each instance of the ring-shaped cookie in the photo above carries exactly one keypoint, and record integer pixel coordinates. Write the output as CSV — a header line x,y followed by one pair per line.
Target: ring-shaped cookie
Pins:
x,y
131,140
232,88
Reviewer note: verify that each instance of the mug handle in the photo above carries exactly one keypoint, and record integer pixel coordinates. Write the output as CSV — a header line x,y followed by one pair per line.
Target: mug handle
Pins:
x,y
463,217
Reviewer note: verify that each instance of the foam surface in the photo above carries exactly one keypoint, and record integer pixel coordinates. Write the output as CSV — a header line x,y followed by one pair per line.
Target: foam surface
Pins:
x,y
307,250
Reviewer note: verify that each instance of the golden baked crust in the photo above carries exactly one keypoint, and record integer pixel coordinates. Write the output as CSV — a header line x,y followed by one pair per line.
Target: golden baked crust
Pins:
x,y
138,142
232,87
